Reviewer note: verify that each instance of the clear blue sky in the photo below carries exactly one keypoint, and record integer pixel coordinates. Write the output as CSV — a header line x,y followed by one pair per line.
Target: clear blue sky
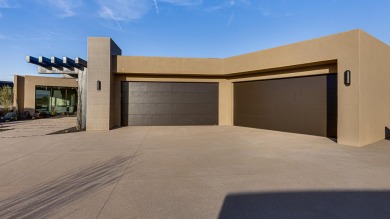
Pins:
x,y
183,28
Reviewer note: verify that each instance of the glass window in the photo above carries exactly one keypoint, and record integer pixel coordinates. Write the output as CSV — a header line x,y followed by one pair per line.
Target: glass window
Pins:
x,y
42,99
56,100
72,100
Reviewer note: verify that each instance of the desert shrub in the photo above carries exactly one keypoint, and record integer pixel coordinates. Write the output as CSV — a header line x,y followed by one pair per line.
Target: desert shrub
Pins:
x,y
6,98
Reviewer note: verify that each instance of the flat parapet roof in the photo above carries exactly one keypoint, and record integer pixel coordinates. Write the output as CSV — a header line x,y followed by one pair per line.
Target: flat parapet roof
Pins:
x,y
321,51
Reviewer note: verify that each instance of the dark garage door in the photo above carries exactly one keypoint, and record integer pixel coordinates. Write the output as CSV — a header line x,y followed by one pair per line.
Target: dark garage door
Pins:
x,y
306,105
168,103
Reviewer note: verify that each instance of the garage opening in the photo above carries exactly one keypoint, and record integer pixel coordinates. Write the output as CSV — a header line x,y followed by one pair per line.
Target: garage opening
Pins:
x,y
169,103
306,105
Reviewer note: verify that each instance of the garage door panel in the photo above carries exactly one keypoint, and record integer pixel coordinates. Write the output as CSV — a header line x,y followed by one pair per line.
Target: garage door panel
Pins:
x,y
148,108
257,121
169,97
135,87
194,97
311,98
168,120
194,119
157,87
145,97
313,128
257,95
306,105
267,109
167,103
155,120
193,109
150,97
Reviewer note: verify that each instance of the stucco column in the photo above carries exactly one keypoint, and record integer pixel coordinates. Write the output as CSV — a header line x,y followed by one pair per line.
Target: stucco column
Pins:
x,y
225,102
99,109
348,96
19,93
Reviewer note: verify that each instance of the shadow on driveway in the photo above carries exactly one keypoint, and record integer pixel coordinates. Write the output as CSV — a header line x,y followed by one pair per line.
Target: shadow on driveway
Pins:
x,y
40,201
307,204
4,128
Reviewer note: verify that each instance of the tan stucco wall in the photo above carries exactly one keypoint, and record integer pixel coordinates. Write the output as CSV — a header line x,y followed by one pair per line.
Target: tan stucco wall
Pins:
x,y
287,73
374,107
168,66
225,102
321,51
25,89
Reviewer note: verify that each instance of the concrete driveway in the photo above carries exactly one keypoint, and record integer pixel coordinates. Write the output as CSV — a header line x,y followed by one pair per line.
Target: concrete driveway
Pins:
x,y
192,172
36,127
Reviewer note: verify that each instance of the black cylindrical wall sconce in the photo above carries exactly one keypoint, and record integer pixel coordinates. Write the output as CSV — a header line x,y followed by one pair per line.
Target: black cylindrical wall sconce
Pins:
x,y
347,78
98,85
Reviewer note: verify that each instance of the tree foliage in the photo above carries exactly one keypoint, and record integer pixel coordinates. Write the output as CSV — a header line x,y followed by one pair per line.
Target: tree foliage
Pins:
x,y
6,98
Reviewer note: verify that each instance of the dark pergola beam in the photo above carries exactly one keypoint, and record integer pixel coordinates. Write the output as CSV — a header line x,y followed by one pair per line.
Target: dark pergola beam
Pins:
x,y
81,62
70,62
47,61
35,61
56,62
60,63
44,60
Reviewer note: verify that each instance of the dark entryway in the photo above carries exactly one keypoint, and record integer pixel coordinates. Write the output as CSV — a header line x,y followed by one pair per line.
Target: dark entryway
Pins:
x,y
306,105
169,103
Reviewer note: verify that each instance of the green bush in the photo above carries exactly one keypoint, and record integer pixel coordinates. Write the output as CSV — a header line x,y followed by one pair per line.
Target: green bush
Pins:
x,y
6,98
